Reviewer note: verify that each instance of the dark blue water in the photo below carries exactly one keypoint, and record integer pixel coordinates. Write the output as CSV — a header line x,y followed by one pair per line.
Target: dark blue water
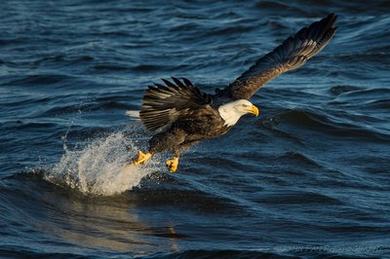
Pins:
x,y
309,178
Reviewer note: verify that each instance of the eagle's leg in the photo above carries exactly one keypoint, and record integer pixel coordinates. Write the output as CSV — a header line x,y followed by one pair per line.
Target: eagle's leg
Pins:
x,y
141,158
168,141
173,163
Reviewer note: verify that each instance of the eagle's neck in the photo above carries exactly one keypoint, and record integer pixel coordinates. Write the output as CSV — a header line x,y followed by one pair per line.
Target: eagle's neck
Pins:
x,y
229,114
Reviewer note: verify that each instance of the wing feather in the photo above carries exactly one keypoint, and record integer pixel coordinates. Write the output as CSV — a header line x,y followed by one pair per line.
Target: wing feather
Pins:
x,y
164,103
291,54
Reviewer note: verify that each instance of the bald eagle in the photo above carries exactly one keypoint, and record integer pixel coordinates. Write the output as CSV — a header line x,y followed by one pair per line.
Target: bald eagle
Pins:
x,y
180,114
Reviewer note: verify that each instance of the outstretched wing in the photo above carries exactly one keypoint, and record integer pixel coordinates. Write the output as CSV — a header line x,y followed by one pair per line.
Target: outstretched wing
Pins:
x,y
165,103
290,55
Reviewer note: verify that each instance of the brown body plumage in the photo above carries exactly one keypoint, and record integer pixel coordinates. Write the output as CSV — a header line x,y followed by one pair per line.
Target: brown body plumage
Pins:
x,y
182,115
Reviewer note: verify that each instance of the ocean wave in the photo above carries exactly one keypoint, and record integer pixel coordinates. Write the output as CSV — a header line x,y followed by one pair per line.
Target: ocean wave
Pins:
x,y
41,79
320,122
291,198
221,253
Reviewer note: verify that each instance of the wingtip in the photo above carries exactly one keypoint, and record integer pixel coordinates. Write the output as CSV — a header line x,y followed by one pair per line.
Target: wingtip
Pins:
x,y
331,18
175,79
166,81
187,82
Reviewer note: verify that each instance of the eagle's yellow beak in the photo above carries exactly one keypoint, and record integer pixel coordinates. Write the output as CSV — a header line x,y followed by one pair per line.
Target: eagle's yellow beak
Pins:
x,y
254,110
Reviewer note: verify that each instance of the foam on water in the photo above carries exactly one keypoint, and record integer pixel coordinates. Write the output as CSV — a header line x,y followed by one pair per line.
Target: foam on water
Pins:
x,y
99,168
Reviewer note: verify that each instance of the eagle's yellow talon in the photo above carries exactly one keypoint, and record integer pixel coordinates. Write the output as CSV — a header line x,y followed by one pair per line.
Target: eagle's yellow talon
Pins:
x,y
172,164
141,158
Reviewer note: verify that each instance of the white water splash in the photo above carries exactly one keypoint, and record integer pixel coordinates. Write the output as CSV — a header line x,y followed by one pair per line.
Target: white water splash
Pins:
x,y
99,168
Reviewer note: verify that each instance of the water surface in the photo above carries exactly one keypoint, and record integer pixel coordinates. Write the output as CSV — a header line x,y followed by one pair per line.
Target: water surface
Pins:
x,y
309,178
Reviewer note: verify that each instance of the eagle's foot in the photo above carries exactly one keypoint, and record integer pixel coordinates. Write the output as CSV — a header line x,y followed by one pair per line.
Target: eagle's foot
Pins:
x,y
141,158
172,164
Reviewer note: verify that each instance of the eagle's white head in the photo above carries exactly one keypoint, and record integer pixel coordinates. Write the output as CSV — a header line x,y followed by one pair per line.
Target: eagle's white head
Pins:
x,y
232,112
